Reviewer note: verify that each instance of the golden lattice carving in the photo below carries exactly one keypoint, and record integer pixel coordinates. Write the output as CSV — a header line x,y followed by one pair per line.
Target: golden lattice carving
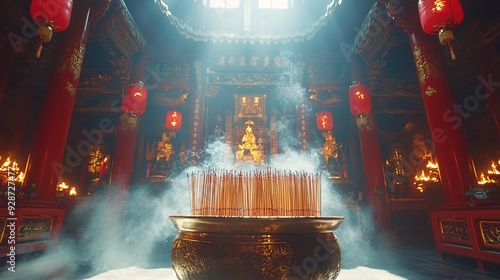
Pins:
x,y
490,231
31,228
455,229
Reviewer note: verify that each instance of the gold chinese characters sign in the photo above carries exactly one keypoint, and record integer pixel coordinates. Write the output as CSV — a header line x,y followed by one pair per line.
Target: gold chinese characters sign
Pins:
x,y
261,61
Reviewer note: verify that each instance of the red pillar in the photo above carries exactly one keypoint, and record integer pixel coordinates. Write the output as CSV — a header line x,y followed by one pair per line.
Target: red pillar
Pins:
x,y
444,115
371,156
126,139
46,156
373,168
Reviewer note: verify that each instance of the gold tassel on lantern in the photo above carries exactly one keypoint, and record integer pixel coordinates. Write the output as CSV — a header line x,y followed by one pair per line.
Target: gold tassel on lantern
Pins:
x,y
445,38
44,34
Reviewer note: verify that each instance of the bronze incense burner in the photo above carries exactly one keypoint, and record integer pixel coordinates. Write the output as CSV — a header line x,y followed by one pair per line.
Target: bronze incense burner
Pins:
x,y
257,248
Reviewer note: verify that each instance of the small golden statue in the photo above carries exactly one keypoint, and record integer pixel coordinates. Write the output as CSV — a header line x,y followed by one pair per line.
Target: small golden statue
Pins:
x,y
160,156
331,150
250,149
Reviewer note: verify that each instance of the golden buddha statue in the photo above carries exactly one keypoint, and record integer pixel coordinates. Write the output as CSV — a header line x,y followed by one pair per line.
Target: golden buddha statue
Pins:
x,y
250,149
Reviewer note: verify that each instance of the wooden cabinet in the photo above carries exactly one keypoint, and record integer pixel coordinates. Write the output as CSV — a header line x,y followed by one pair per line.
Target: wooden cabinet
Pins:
x,y
473,233
29,227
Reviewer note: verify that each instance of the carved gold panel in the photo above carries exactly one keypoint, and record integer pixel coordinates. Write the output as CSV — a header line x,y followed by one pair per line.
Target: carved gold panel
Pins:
x,y
34,227
455,229
250,106
490,231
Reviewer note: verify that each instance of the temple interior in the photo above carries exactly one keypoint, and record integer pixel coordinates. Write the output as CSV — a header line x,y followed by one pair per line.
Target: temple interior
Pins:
x,y
106,106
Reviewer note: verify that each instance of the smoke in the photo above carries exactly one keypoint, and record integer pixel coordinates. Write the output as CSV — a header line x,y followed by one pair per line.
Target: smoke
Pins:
x,y
137,232
289,90
356,230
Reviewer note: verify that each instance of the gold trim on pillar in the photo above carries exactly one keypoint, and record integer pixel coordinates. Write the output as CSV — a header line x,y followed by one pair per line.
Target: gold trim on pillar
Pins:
x,y
429,91
74,59
425,69
70,88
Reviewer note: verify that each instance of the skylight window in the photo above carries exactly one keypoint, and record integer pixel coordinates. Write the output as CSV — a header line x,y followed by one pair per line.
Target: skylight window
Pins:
x,y
273,4
226,4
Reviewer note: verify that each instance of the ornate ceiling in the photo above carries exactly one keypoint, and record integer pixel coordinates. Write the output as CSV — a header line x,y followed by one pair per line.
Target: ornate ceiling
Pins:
x,y
133,26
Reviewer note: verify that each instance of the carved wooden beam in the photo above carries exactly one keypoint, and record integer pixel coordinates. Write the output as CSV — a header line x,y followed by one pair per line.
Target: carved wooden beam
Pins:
x,y
375,32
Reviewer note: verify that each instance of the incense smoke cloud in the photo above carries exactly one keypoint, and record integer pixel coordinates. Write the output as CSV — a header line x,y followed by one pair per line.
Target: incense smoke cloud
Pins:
x,y
356,230
129,233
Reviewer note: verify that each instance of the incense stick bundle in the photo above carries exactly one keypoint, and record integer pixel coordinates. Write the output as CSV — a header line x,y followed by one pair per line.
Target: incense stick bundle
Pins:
x,y
258,193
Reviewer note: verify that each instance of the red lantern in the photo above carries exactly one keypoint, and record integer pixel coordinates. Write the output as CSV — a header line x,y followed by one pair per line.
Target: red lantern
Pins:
x,y
135,99
359,100
438,17
51,15
173,121
324,121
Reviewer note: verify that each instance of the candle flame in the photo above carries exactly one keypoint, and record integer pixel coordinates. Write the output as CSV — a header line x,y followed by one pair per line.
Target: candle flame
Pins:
x,y
484,180
494,169
432,165
433,175
10,169
493,172
63,186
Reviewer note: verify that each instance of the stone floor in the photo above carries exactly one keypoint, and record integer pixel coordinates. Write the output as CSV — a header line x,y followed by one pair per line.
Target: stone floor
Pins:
x,y
412,262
